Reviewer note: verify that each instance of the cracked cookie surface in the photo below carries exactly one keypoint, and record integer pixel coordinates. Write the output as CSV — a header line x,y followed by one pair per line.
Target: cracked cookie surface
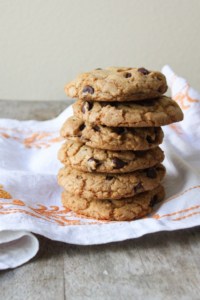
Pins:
x,y
109,186
117,84
115,210
111,138
147,113
87,159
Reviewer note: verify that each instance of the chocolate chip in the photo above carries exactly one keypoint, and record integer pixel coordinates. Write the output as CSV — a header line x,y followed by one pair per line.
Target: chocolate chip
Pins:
x,y
118,163
88,89
160,90
149,139
82,126
93,163
127,75
98,69
151,173
118,130
154,201
109,177
143,71
138,188
96,128
86,106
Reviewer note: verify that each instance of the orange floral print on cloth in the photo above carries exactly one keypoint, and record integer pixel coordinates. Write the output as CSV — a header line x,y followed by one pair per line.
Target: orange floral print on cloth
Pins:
x,y
50,214
186,213
64,217
4,194
181,91
31,139
54,214
184,99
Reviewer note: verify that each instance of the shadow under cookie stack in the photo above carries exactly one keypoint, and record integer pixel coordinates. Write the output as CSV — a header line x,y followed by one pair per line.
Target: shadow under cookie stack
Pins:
x,y
112,160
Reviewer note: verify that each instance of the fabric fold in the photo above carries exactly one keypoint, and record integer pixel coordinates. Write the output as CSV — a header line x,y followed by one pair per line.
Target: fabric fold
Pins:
x,y
16,248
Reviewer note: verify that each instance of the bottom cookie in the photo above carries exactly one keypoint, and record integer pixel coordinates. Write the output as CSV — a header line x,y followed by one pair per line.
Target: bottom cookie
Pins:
x,y
126,209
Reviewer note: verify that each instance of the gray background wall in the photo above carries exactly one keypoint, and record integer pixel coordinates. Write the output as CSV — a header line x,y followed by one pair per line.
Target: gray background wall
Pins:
x,y
45,43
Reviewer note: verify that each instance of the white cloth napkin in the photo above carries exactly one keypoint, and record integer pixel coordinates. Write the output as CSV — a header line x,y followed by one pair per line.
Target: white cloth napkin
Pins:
x,y
16,247
28,168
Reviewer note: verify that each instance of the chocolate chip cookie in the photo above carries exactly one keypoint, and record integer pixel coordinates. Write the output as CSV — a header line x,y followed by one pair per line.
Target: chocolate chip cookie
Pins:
x,y
111,138
110,186
87,159
147,113
117,84
126,209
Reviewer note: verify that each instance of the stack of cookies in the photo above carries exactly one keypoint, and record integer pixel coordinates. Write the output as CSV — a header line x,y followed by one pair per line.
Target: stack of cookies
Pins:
x,y
112,158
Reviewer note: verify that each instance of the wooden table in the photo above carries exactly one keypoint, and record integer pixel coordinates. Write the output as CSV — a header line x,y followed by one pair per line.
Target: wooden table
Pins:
x,y
159,266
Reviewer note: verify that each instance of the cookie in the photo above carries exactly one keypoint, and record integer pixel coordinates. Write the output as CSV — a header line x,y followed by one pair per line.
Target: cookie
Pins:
x,y
111,138
115,210
87,159
117,84
147,113
110,186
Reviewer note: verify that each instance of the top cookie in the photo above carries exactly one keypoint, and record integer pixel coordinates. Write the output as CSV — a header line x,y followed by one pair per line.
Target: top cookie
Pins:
x,y
117,84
